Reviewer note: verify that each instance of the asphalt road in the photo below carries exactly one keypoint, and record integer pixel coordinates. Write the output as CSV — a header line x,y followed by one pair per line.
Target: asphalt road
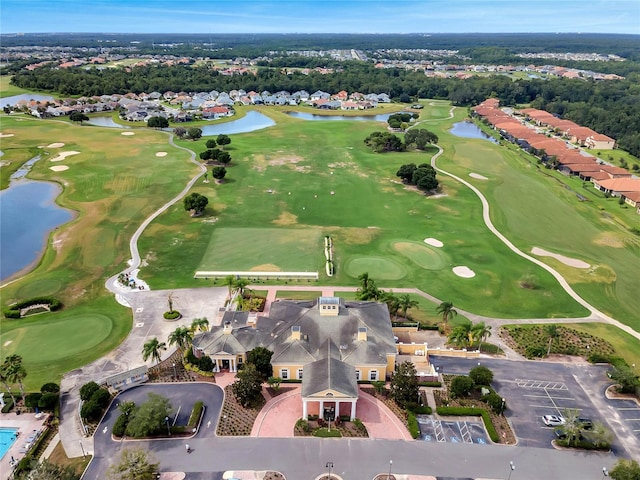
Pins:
x,y
305,458
534,388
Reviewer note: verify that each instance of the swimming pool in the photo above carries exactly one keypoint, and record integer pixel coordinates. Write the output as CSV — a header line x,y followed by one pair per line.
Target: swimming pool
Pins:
x,y
8,437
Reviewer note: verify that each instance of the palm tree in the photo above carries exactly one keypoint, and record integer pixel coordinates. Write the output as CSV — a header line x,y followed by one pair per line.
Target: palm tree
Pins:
x,y
406,303
364,281
461,335
553,333
199,325
479,332
240,286
230,282
152,349
393,303
181,337
446,310
15,371
4,379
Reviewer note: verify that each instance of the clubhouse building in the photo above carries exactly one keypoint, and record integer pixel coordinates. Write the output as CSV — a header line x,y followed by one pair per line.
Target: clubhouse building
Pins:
x,y
328,345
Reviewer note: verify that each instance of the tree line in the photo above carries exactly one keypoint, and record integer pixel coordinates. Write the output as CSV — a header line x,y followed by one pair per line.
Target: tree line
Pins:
x,y
608,107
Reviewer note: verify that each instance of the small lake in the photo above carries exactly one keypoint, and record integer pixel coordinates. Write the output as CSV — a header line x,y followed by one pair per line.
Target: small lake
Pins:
x,y
25,96
250,122
469,130
362,118
28,213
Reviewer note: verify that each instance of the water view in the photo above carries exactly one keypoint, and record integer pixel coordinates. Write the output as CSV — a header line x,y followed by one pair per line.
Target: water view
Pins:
x,y
469,130
366,118
104,121
25,96
250,122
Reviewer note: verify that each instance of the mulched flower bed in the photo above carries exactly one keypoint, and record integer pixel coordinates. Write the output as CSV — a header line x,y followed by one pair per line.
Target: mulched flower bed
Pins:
x,y
346,428
235,419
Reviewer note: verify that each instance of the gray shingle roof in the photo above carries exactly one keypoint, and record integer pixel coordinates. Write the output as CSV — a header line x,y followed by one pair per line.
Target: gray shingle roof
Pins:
x,y
329,374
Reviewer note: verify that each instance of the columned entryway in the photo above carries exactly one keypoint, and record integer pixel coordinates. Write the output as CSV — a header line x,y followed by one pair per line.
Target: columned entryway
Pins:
x,y
225,363
329,403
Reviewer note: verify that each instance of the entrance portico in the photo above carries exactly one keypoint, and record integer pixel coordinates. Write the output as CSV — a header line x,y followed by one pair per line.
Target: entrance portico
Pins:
x,y
329,403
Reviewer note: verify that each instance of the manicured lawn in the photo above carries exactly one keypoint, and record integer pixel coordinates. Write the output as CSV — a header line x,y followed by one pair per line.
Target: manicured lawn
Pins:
x,y
534,207
8,90
53,343
376,224
624,344
298,295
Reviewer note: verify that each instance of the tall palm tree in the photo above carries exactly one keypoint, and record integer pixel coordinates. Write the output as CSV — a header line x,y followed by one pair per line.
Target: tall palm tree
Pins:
x,y
199,325
181,337
16,371
152,349
4,379
479,332
447,311
393,303
364,281
406,303
553,333
240,286
230,282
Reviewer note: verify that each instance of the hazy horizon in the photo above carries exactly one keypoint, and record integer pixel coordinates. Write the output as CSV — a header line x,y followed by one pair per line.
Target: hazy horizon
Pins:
x,y
328,16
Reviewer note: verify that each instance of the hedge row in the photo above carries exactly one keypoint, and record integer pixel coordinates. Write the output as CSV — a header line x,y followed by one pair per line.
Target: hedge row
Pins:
x,y
472,412
430,384
412,422
196,414
13,311
192,368
8,405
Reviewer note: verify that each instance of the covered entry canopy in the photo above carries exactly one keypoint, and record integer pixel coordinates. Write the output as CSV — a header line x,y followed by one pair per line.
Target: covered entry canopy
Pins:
x,y
329,381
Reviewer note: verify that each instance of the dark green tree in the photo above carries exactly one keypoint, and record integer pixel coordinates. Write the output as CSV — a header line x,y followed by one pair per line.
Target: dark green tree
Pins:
x,y
157,122
194,133
149,418
218,173
404,385
50,388
87,390
180,132
420,138
447,311
211,143
626,379
248,385
78,117
46,470
481,375
224,158
196,202
406,172
260,357
461,386
223,140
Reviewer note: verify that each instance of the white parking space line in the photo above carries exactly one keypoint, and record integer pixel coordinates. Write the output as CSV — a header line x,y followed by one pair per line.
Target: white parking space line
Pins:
x,y
553,406
542,384
549,396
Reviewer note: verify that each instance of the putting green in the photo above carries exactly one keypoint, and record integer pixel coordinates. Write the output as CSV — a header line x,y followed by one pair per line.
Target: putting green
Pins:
x,y
377,267
64,338
422,255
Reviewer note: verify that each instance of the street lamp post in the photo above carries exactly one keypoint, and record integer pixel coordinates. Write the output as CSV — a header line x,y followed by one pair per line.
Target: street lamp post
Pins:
x,y
175,374
605,473
502,407
329,465
166,419
512,467
390,465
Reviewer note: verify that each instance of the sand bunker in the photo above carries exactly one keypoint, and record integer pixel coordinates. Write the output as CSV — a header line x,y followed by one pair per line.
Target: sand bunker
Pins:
x,y
572,262
62,155
464,272
478,176
433,242
161,154
59,168
5,135
55,145
127,133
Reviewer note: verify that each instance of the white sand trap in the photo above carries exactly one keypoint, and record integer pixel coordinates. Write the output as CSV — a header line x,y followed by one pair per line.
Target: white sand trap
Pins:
x,y
464,272
161,154
572,262
478,176
55,145
59,168
128,134
62,155
5,135
433,242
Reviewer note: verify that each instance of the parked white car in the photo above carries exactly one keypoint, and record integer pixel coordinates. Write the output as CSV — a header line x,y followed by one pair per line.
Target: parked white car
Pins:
x,y
553,420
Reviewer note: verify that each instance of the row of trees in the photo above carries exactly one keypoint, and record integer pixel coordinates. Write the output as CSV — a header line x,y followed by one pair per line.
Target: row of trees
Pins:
x,y
181,337
468,334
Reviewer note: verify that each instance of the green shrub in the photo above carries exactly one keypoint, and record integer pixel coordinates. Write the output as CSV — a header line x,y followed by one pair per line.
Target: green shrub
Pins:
x,y
582,444
533,351
423,410
461,386
326,433
49,401
303,425
430,384
91,411
50,388
31,399
196,414
120,427
481,375
172,315
205,363
472,412
102,397
414,428
8,405
13,311
87,390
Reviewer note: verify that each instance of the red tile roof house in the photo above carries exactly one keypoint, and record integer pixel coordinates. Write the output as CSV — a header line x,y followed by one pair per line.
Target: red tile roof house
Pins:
x,y
633,199
618,186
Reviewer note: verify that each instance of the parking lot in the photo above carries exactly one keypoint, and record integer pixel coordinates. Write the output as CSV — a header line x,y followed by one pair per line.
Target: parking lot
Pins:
x,y
451,431
629,412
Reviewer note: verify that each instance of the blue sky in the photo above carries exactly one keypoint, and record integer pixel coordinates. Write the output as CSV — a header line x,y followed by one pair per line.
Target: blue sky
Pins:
x,y
326,16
